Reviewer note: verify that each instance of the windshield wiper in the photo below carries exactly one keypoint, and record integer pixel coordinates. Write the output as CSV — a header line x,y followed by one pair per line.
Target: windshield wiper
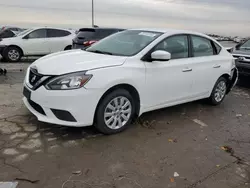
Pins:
x,y
100,52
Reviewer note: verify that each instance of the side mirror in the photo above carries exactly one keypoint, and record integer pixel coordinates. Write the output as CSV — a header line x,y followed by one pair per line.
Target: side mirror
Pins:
x,y
160,55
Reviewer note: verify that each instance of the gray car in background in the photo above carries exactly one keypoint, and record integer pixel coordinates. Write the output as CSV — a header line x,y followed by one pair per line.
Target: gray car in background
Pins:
x,y
242,53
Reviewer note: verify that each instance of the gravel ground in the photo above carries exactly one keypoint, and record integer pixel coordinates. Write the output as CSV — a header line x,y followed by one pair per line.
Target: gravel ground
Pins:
x,y
186,146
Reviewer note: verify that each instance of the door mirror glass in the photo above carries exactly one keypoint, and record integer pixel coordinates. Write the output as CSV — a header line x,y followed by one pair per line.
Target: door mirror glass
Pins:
x,y
160,55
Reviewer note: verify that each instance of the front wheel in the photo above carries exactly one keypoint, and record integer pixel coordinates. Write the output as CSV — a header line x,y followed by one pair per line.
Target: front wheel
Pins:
x,y
12,54
219,91
115,112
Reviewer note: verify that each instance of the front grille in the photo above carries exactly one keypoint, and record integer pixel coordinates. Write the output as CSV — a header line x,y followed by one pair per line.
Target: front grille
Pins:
x,y
34,77
36,107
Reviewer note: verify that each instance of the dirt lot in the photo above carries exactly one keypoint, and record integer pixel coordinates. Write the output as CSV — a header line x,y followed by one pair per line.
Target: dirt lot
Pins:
x,y
186,146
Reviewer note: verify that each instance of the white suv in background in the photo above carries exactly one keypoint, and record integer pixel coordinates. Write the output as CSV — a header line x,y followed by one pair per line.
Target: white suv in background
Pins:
x,y
36,42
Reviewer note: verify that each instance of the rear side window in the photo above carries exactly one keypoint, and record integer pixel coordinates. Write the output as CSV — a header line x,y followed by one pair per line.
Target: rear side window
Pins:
x,y
202,46
57,33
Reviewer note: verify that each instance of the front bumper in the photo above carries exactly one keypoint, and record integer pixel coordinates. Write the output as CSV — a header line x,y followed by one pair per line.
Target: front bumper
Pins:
x,y
74,108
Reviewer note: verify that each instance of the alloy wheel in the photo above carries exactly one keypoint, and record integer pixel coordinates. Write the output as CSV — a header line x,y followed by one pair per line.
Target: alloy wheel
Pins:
x,y
220,91
117,113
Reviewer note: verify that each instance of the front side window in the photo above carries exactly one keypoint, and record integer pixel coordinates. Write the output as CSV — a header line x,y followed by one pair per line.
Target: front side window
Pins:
x,y
177,46
39,33
202,46
126,43
57,33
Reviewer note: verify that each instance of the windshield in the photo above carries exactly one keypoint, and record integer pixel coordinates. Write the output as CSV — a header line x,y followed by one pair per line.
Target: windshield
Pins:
x,y
126,43
24,32
245,45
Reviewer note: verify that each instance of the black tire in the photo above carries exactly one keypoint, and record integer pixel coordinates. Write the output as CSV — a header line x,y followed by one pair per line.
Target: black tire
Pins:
x,y
68,48
3,59
8,57
212,99
99,117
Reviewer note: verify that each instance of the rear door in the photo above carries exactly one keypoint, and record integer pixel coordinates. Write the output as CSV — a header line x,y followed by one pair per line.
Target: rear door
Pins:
x,y
57,39
206,64
170,82
35,43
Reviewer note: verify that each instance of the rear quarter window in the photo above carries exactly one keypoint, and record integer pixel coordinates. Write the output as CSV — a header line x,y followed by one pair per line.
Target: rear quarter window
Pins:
x,y
217,48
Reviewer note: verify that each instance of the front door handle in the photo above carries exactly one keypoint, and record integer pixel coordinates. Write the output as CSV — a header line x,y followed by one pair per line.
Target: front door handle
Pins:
x,y
186,70
216,66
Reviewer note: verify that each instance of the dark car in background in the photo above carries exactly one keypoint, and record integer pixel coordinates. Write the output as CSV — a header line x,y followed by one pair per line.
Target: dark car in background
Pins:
x,y
8,32
87,36
242,53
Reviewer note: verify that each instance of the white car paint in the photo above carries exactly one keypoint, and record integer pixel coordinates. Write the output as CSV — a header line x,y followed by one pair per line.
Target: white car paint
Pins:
x,y
159,83
39,46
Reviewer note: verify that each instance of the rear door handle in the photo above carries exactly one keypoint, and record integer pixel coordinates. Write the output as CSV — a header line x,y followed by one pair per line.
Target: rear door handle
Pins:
x,y
186,70
216,66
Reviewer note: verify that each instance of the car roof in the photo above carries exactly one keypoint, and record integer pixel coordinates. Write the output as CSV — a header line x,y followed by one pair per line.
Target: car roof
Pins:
x,y
170,31
70,30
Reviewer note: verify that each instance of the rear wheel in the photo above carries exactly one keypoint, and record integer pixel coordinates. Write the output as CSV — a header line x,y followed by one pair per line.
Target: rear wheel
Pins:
x,y
12,54
115,112
219,91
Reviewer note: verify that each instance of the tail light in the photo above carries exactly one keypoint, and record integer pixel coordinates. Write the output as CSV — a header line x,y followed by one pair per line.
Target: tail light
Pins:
x,y
88,43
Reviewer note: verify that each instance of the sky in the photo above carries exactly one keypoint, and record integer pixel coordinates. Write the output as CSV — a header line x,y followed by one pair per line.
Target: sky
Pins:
x,y
227,17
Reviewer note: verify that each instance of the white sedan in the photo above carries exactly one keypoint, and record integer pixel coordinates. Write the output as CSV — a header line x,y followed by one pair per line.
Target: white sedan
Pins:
x,y
126,75
36,42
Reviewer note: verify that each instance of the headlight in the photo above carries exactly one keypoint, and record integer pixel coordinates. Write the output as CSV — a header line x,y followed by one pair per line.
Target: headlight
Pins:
x,y
69,81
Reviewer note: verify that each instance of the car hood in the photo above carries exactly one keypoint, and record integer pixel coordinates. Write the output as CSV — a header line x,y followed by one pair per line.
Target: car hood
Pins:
x,y
74,61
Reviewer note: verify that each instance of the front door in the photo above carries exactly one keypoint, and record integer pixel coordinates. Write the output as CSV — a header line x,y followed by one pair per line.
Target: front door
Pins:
x,y
169,82
36,43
